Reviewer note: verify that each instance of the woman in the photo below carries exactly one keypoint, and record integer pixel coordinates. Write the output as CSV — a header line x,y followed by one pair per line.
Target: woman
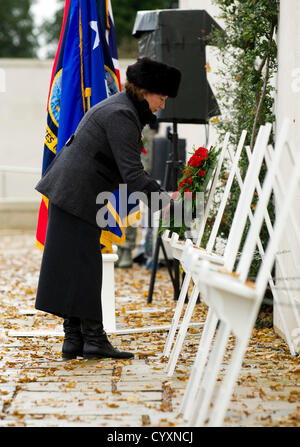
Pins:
x,y
103,153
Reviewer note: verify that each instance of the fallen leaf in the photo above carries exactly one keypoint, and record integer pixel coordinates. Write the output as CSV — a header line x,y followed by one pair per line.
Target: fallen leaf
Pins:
x,y
131,398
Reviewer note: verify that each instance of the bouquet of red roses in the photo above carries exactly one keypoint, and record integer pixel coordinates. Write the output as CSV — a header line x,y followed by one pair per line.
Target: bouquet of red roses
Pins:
x,y
198,170
196,175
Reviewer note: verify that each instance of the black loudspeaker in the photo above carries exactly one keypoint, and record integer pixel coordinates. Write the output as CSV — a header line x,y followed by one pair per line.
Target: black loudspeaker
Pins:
x,y
161,153
178,37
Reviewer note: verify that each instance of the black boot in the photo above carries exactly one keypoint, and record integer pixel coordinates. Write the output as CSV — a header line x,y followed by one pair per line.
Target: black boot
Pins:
x,y
73,341
96,343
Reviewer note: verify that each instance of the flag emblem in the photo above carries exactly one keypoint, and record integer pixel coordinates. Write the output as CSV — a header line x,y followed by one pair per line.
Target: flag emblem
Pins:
x,y
54,100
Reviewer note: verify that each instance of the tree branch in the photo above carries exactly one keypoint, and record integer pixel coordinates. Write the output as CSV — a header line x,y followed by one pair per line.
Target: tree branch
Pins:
x,y
266,61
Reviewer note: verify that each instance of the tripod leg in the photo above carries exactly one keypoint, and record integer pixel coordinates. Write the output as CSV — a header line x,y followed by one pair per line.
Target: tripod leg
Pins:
x,y
167,261
176,279
159,244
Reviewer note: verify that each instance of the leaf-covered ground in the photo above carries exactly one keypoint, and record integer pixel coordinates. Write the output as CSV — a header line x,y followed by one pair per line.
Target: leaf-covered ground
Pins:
x,y
37,388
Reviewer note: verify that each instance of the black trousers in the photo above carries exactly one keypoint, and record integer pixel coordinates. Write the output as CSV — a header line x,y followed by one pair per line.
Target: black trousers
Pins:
x,y
70,279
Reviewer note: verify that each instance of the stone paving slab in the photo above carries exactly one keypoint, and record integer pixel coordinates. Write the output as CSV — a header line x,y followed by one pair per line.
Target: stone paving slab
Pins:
x,y
77,403
81,386
139,386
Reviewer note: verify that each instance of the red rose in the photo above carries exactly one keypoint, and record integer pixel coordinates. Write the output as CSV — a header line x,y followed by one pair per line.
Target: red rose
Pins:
x,y
195,161
201,173
202,152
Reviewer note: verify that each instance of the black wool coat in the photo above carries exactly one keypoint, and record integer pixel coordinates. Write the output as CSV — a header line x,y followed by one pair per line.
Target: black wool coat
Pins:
x,y
105,152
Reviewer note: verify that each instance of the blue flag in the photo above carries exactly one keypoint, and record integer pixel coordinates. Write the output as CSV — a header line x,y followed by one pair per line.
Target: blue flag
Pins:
x,y
85,72
83,78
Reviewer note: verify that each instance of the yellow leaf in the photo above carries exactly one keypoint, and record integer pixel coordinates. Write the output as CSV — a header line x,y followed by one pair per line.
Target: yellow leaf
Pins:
x,y
145,419
145,354
182,378
98,391
131,398
207,67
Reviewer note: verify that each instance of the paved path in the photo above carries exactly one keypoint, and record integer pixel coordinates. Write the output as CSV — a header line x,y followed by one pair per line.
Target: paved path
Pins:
x,y
37,388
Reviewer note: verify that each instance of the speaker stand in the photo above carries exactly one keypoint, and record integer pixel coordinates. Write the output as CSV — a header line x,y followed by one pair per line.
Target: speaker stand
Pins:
x,y
170,184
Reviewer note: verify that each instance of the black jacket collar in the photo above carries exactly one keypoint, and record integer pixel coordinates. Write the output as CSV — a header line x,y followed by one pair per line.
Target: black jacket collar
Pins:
x,y
143,110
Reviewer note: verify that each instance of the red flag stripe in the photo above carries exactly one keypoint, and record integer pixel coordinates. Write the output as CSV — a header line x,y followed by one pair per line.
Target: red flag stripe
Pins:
x,y
67,4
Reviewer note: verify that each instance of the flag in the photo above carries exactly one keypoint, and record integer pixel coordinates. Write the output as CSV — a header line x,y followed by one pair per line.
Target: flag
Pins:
x,y
85,72
123,214
53,108
110,52
83,75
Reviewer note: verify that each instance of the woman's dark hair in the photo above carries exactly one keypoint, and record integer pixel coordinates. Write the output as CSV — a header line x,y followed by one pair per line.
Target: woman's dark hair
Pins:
x,y
134,90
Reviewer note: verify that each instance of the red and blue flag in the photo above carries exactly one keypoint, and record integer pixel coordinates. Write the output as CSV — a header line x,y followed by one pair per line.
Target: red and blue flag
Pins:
x,y
85,71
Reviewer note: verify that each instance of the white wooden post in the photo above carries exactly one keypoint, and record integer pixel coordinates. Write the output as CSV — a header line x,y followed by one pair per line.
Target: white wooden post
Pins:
x,y
108,292
287,105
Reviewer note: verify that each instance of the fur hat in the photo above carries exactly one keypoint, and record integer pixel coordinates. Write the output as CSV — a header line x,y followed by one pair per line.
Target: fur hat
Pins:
x,y
154,76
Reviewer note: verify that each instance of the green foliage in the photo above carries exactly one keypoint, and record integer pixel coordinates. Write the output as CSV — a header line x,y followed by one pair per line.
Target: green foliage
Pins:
x,y
17,37
50,29
248,55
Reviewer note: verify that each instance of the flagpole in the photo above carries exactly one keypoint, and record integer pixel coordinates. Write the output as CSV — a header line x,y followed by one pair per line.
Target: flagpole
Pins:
x,y
88,102
88,94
